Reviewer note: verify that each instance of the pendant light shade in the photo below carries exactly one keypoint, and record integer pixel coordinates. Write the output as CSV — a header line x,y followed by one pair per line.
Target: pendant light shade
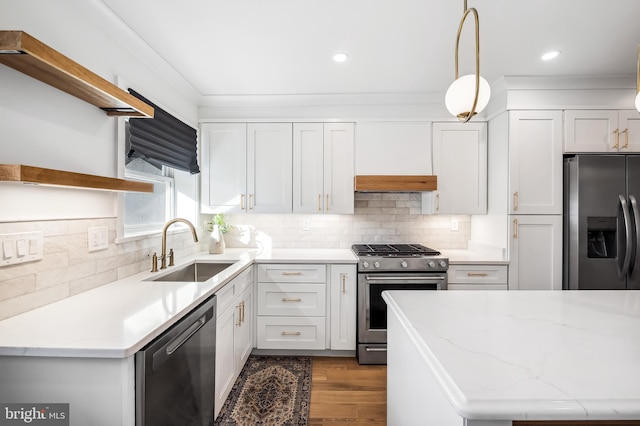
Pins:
x,y
461,95
468,95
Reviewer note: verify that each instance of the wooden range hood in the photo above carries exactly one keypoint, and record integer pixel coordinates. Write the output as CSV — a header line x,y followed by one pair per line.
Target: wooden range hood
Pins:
x,y
395,183
27,54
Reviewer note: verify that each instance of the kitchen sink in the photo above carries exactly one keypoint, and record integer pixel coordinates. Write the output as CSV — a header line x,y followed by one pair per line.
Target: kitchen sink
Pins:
x,y
197,271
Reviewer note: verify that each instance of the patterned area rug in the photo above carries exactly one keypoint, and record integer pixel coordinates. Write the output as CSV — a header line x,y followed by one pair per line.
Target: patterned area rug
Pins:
x,y
270,391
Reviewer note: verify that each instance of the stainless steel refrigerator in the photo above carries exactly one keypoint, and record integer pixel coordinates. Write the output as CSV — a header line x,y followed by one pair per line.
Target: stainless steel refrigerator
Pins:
x,y
601,222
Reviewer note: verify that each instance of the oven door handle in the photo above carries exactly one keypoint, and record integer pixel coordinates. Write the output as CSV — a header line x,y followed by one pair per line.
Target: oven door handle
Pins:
x,y
370,278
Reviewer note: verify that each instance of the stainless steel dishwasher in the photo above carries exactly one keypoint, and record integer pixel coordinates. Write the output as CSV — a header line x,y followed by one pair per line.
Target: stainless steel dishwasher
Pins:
x,y
175,373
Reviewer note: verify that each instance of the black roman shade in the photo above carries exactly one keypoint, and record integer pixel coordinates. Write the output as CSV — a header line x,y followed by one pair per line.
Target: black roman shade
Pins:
x,y
163,140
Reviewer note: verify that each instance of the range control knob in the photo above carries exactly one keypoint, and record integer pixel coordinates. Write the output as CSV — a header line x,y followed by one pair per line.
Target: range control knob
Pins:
x,y
376,264
403,264
443,264
432,264
365,264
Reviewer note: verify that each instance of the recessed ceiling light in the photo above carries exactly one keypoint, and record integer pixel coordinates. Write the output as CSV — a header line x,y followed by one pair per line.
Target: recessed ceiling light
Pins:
x,y
340,57
550,55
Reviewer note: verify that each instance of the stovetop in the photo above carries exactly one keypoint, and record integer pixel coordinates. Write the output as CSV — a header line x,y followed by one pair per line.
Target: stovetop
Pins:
x,y
394,250
399,258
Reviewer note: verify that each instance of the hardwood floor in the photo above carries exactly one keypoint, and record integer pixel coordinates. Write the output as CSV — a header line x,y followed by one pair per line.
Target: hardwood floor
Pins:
x,y
344,392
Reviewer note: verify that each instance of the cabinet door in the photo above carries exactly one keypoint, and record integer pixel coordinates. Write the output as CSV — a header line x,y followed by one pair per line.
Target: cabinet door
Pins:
x,y
269,172
460,163
629,125
243,337
590,131
343,307
308,167
535,252
225,356
535,162
338,168
224,170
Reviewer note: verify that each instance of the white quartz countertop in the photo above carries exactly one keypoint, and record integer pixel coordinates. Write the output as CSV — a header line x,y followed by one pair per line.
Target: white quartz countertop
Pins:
x,y
467,257
529,355
118,319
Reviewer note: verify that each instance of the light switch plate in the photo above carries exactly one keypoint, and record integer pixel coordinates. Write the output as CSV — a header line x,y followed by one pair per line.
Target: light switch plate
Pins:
x,y
20,248
98,238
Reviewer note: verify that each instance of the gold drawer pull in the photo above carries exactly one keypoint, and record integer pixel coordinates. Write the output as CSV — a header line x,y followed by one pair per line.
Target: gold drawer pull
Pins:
x,y
477,274
292,273
291,299
291,333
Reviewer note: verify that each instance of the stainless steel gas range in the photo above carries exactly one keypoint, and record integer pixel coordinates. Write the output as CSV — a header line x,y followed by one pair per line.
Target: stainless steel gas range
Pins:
x,y
390,267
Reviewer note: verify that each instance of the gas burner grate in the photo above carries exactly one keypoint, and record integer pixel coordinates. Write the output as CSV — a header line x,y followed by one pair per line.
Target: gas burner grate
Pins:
x,y
392,250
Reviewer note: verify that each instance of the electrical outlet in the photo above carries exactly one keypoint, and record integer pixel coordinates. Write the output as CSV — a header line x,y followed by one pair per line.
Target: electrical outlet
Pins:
x,y
454,224
98,238
306,224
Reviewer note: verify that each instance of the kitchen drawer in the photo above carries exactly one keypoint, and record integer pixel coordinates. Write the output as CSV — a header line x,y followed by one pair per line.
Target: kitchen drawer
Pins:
x,y
477,274
291,333
228,293
477,286
292,299
283,273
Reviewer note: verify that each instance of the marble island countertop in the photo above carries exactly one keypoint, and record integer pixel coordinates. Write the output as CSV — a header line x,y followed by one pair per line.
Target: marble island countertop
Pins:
x,y
118,319
502,356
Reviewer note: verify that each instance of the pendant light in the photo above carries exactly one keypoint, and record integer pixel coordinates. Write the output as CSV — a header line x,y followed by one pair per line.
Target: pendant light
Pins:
x,y
469,94
638,81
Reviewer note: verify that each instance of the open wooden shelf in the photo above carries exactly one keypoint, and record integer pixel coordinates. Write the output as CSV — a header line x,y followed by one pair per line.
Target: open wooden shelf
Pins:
x,y
395,183
37,175
26,54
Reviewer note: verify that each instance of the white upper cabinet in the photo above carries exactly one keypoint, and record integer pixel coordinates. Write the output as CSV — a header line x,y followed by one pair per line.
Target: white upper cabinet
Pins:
x,y
269,172
323,168
535,162
602,131
460,163
224,167
393,148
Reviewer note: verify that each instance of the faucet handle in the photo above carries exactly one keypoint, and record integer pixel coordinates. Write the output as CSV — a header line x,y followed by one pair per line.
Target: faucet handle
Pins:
x,y
154,262
171,257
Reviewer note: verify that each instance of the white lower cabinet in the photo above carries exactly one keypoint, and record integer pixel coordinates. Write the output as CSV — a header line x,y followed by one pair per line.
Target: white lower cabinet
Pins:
x,y
535,252
342,287
291,306
477,277
234,333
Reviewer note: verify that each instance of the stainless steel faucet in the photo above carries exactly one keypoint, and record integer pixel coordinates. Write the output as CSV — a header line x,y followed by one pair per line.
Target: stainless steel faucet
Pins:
x,y
163,256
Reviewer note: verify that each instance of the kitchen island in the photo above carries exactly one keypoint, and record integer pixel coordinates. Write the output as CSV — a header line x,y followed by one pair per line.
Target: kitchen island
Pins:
x,y
497,357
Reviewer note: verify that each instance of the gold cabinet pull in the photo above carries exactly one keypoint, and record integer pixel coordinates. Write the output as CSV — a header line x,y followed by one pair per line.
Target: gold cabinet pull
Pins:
x,y
250,201
290,333
291,273
477,274
617,145
515,229
326,207
319,202
291,299
516,201
344,284
626,138
242,311
241,201
437,202
239,316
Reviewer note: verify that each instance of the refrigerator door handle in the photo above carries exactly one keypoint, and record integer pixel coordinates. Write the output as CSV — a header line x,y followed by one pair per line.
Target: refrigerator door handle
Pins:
x,y
635,264
624,267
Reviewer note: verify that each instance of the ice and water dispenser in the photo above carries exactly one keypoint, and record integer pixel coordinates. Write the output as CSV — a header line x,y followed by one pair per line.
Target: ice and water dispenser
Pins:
x,y
601,237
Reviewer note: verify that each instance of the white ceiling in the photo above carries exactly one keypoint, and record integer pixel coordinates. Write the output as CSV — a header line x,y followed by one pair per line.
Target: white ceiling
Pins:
x,y
258,47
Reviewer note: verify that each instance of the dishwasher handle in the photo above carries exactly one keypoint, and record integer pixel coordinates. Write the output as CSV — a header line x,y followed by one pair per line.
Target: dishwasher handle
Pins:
x,y
169,344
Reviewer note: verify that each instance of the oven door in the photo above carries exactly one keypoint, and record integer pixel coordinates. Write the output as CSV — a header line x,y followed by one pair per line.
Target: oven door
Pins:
x,y
372,309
